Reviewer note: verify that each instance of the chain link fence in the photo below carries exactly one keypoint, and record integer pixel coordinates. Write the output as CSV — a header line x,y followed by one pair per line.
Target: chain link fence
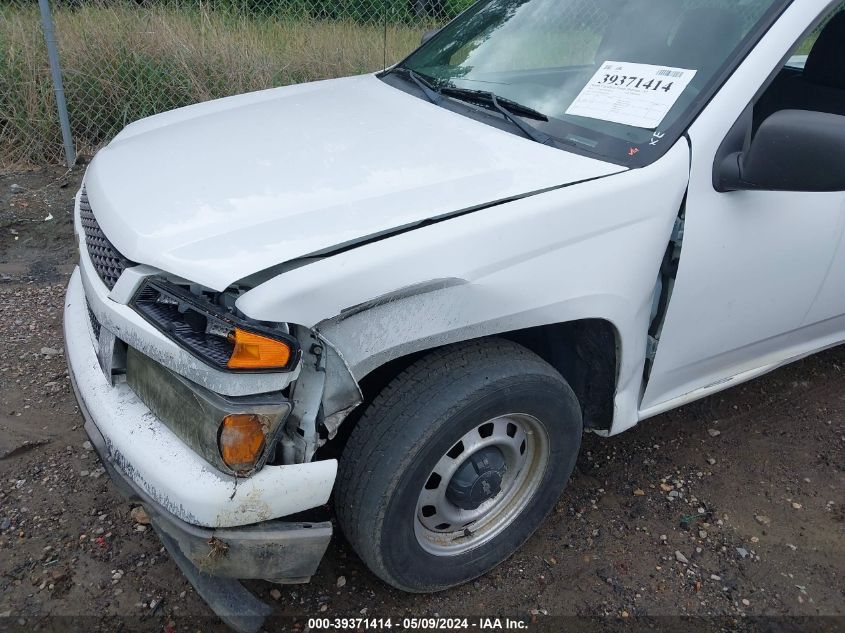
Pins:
x,y
122,60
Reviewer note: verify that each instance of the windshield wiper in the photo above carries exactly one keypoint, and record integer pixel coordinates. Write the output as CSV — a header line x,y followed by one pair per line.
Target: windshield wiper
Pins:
x,y
430,93
483,96
507,108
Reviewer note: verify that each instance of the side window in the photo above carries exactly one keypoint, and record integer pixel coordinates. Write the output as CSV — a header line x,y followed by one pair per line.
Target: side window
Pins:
x,y
814,77
806,45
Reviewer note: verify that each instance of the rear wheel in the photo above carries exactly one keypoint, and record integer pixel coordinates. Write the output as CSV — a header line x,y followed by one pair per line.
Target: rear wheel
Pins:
x,y
456,463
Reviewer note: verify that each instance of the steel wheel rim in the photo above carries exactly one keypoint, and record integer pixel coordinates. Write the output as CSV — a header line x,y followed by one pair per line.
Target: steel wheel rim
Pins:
x,y
524,443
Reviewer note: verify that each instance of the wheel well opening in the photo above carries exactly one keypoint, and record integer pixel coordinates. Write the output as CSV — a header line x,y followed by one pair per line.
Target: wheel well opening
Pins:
x,y
370,385
584,352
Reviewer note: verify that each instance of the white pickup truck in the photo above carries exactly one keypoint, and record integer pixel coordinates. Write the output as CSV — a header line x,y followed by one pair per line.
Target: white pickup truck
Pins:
x,y
411,292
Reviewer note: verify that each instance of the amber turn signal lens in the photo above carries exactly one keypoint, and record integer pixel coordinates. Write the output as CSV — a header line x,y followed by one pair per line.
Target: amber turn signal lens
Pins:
x,y
241,440
253,351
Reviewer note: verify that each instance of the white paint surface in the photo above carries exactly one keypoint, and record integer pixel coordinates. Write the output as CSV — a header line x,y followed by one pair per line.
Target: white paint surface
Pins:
x,y
218,191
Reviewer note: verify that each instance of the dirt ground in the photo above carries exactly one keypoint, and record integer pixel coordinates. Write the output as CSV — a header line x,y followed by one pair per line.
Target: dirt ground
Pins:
x,y
728,509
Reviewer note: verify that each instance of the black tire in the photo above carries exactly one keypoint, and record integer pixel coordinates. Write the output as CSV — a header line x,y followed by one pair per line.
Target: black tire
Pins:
x,y
413,422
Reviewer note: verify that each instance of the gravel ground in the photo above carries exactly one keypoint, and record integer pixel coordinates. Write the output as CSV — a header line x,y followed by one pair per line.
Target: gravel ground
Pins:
x,y
730,508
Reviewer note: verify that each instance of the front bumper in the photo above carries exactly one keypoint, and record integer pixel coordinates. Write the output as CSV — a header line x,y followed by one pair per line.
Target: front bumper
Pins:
x,y
163,466
273,550
215,526
212,560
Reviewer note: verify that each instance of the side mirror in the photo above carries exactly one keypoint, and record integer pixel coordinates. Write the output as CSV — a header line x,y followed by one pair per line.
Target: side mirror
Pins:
x,y
793,150
428,35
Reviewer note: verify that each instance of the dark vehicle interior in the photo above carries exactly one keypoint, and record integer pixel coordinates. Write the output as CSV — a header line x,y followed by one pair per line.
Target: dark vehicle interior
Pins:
x,y
819,86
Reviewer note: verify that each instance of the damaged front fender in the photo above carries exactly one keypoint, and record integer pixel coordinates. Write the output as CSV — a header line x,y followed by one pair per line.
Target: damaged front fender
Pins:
x,y
323,395
557,257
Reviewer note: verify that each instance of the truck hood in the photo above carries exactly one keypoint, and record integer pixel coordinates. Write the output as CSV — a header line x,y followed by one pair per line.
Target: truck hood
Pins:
x,y
221,190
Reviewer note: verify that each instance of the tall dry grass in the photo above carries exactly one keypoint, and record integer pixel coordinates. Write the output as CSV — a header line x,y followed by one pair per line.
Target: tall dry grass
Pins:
x,y
121,63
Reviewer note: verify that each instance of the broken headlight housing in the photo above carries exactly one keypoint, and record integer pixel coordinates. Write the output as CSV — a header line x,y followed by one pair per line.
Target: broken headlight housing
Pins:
x,y
207,326
235,435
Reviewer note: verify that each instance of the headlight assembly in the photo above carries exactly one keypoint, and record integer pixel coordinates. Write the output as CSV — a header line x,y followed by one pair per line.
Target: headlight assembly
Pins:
x,y
212,333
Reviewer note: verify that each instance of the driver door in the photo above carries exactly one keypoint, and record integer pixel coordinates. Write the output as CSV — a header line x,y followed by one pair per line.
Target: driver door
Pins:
x,y
761,278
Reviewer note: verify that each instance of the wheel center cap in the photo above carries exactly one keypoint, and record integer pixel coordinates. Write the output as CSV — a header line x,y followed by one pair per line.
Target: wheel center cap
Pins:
x,y
478,479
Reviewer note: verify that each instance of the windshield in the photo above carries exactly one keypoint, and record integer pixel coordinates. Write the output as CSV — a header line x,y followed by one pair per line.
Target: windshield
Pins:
x,y
617,78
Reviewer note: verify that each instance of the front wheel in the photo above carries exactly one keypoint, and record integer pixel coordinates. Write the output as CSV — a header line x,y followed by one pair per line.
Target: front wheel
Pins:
x,y
456,463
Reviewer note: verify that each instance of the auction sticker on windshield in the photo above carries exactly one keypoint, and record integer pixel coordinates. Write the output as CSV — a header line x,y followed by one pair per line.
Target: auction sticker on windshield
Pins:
x,y
639,95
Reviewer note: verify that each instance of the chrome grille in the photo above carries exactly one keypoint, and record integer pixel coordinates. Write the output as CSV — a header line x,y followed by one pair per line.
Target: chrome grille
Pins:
x,y
107,260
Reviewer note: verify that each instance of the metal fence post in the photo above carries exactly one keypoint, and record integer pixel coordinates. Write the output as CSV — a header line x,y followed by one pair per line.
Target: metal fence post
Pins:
x,y
58,86
384,46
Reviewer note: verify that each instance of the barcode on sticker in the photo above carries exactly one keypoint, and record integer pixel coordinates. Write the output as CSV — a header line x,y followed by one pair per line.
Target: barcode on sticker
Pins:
x,y
670,73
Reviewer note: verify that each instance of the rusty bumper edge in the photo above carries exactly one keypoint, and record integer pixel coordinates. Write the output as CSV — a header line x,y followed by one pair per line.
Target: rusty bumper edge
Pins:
x,y
214,559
